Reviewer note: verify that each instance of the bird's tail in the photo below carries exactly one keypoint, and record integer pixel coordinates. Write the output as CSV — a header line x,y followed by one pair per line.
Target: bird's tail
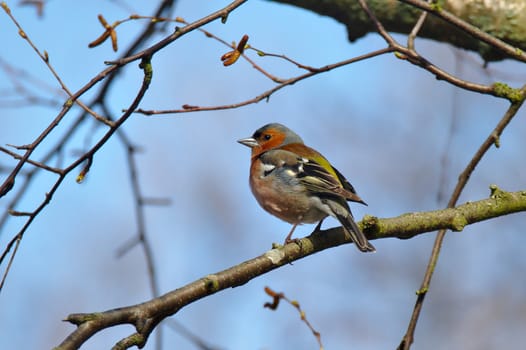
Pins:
x,y
345,218
356,234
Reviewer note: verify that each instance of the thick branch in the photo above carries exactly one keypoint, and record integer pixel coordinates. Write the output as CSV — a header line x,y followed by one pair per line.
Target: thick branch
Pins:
x,y
454,219
147,315
504,20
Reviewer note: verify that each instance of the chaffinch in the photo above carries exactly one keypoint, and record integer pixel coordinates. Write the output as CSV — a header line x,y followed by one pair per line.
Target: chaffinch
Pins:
x,y
297,184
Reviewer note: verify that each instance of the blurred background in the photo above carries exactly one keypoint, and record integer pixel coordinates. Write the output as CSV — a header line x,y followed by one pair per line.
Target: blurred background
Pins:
x,y
400,136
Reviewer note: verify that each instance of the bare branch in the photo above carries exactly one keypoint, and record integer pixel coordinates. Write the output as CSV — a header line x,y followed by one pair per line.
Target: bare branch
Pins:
x,y
492,139
268,93
468,28
146,315
407,53
223,13
416,29
277,297
453,22
32,162
146,66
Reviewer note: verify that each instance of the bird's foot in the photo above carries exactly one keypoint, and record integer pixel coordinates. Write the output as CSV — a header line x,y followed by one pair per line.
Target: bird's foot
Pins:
x,y
291,240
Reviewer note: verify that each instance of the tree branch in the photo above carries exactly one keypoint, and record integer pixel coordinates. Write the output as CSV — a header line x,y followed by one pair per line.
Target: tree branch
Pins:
x,y
115,65
147,315
144,56
492,139
464,24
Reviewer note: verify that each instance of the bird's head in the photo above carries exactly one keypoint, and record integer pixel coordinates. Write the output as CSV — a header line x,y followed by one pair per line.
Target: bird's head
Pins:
x,y
269,137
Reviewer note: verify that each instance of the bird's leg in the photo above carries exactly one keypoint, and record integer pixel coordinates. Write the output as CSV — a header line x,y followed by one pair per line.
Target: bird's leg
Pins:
x,y
288,239
318,227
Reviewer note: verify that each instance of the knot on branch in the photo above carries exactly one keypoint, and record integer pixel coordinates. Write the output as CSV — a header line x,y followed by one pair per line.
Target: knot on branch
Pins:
x,y
78,319
211,283
275,256
458,222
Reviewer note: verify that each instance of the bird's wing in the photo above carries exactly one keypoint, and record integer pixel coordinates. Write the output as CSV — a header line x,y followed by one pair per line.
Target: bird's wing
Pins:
x,y
316,177
284,164
351,194
307,172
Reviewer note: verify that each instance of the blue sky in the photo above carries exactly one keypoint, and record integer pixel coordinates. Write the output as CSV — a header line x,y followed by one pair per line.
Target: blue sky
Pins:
x,y
382,122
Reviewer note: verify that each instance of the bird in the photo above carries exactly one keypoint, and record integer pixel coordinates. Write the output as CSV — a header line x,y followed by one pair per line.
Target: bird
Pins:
x,y
297,184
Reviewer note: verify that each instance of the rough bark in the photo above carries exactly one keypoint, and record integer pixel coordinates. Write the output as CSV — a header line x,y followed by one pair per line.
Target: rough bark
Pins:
x,y
146,316
504,19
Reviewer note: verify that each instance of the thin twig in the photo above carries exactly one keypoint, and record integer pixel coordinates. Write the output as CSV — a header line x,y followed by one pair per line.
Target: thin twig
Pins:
x,y
19,79
114,66
277,297
468,28
45,57
40,165
453,121
283,57
146,315
195,339
79,161
491,140
416,29
55,151
393,46
418,60
268,93
108,73
248,59
410,54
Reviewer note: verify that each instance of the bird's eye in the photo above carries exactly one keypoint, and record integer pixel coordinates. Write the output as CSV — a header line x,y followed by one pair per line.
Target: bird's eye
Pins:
x,y
267,137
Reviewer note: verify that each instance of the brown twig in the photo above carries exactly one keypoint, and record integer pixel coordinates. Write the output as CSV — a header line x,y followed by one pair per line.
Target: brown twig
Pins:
x,y
402,52
209,34
268,93
9,182
283,57
108,75
414,32
146,66
413,57
451,132
492,139
40,165
516,99
45,57
114,65
147,315
475,32
19,78
38,4
195,339
277,297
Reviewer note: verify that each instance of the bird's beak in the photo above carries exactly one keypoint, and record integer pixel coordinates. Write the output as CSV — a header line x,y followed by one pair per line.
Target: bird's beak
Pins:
x,y
249,142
